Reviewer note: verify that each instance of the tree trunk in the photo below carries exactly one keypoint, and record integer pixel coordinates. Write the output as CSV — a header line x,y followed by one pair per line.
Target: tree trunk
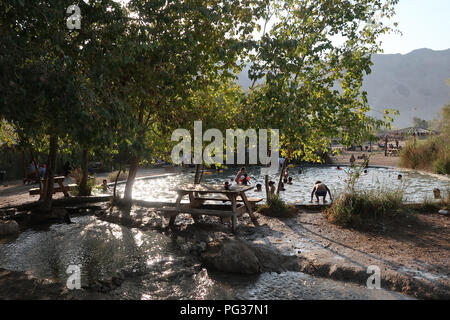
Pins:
x,y
46,203
128,193
281,176
198,174
385,146
83,188
24,167
115,183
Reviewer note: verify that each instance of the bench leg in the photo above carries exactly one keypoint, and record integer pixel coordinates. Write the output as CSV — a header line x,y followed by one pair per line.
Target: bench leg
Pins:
x,y
249,208
172,221
233,223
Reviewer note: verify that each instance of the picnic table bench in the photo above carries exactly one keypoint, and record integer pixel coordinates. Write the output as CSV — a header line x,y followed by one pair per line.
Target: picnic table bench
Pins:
x,y
197,192
60,188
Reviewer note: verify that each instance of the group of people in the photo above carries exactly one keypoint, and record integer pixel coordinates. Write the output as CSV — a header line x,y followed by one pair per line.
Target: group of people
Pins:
x,y
35,172
320,189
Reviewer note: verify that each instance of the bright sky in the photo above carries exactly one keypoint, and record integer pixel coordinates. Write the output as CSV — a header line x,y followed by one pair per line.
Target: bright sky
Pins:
x,y
424,24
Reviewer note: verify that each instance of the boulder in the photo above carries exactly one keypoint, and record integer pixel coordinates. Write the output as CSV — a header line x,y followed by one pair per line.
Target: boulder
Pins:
x,y
8,228
233,256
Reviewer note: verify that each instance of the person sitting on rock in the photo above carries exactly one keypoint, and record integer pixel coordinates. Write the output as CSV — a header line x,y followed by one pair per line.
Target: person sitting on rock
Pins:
x,y
320,190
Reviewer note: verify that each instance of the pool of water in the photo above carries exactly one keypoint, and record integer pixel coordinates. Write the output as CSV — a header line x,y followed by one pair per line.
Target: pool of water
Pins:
x,y
416,186
159,269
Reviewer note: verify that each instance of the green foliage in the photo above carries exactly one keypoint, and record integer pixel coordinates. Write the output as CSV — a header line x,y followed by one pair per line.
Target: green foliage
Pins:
x,y
364,207
432,154
276,207
300,67
77,175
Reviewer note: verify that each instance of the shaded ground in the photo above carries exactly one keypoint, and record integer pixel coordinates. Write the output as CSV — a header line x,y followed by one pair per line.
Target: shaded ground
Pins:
x,y
14,193
413,253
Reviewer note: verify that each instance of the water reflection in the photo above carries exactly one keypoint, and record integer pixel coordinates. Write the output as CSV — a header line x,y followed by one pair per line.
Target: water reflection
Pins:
x,y
156,268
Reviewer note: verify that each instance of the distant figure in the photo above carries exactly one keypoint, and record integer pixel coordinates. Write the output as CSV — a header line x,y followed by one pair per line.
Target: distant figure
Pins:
x,y
282,187
290,180
281,162
286,173
338,168
239,174
227,185
399,177
105,185
285,180
272,187
352,160
365,172
320,190
67,168
258,187
245,179
43,169
437,193
396,143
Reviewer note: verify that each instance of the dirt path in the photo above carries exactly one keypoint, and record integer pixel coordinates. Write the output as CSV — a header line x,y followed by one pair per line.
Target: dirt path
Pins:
x,y
412,254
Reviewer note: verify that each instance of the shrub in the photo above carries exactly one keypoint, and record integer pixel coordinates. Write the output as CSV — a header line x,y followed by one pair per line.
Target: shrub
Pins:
x,y
112,176
361,207
276,207
432,154
77,175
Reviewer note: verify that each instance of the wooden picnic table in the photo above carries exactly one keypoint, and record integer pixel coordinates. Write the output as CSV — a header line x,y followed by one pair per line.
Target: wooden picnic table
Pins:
x,y
61,187
196,193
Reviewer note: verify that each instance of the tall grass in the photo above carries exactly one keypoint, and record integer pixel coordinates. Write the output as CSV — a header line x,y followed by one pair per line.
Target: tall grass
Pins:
x,y
276,207
432,155
355,208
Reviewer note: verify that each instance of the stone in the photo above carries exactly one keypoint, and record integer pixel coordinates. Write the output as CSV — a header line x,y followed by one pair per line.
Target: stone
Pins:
x,y
233,256
444,212
8,228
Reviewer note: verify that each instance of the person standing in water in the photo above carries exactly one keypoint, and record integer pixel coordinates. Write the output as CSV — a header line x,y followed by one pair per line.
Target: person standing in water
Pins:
x,y
239,174
320,190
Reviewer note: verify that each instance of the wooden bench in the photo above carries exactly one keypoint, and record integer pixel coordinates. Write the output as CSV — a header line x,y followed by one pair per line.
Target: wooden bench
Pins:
x,y
69,187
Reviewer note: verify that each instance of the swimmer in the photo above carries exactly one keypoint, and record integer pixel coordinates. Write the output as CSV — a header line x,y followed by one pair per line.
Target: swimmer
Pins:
x,y
320,190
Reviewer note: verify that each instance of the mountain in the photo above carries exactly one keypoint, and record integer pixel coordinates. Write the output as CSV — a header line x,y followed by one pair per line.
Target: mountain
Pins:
x,y
414,84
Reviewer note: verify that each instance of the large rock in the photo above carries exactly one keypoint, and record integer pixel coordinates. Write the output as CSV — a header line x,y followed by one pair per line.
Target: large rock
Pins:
x,y
232,256
8,228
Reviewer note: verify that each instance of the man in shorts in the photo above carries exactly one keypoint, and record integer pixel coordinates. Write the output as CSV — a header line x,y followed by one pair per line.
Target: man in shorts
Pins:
x,y
320,190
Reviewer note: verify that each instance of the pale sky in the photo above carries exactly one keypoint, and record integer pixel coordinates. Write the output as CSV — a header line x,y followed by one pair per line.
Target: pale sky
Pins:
x,y
424,24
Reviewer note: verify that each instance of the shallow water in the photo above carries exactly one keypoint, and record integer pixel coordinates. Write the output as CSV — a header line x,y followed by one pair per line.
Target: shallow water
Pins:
x,y
416,186
158,269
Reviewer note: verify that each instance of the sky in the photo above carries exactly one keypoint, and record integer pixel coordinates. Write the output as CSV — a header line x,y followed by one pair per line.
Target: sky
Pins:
x,y
424,24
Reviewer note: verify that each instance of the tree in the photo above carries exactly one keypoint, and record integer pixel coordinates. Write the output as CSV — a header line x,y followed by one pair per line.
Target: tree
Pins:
x,y
171,50
312,83
46,70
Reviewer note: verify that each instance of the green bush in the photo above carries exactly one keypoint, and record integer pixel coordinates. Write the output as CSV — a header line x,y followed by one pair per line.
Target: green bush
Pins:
x,y
276,207
432,154
354,209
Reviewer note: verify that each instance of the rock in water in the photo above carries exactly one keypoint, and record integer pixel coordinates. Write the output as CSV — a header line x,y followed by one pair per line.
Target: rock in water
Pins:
x,y
444,212
232,256
8,228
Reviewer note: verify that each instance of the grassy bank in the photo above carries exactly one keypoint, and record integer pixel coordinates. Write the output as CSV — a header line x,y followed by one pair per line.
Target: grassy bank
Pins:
x,y
431,155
